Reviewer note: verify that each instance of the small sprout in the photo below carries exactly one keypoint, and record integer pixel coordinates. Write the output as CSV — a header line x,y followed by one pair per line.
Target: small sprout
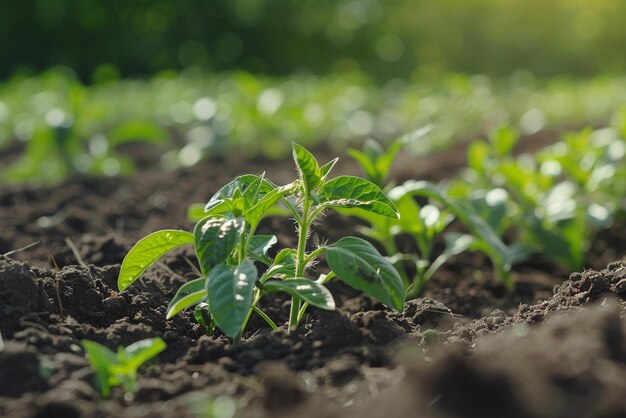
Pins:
x,y
427,223
120,369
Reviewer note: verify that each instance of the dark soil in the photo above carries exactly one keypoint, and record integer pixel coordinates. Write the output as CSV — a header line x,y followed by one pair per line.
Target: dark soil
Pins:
x,y
554,347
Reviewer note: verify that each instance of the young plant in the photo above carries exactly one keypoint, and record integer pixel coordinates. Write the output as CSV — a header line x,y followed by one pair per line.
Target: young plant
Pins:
x,y
227,248
554,200
376,161
120,369
425,224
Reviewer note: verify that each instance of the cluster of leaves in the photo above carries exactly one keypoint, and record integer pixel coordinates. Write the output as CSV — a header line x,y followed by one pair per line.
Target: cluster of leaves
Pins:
x,y
553,202
425,223
120,369
67,127
228,249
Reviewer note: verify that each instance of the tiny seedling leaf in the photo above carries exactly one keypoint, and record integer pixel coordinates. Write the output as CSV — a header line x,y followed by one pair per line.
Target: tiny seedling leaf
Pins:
x,y
359,264
309,169
147,251
114,369
309,291
139,352
203,317
102,360
230,295
355,192
189,294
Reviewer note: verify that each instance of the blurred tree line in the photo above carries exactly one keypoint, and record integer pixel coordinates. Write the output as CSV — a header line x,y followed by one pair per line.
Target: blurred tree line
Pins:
x,y
103,39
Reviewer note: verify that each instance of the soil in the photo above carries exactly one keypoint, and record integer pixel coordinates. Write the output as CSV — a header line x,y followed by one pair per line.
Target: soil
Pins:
x,y
555,346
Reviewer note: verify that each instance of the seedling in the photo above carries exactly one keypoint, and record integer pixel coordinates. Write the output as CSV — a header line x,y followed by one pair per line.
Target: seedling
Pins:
x,y
554,200
228,249
425,224
120,369
376,161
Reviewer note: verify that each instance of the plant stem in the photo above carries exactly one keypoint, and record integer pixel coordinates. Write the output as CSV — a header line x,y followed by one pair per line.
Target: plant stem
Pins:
x,y
303,233
267,319
243,246
255,300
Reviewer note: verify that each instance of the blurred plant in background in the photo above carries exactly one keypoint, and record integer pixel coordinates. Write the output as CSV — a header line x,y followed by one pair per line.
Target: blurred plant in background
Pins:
x,y
67,127
210,75
554,201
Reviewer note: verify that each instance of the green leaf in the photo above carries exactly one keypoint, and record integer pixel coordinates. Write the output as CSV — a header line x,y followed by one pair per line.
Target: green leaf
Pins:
x,y
102,360
309,169
189,294
195,212
259,246
284,265
410,221
138,353
147,251
230,295
359,264
376,162
492,207
565,241
308,290
261,207
355,192
203,317
217,204
215,239
325,169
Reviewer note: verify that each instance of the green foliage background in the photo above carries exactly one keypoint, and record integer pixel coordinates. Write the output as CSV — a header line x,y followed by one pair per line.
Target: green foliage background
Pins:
x,y
102,39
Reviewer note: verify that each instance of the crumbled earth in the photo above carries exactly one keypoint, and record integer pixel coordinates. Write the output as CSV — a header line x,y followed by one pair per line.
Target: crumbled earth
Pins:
x,y
554,346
